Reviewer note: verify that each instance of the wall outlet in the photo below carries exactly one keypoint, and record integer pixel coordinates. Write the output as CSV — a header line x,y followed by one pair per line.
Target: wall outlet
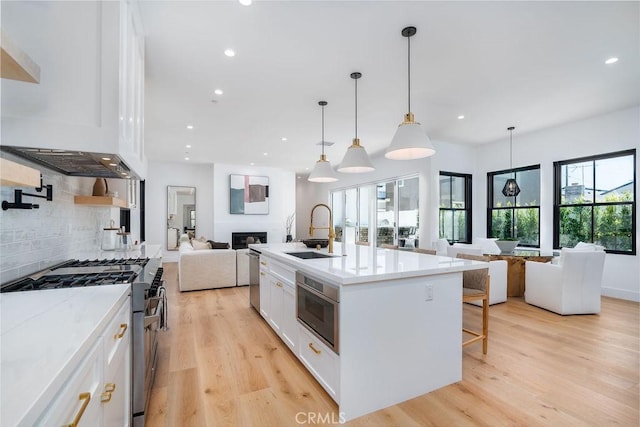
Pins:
x,y
428,292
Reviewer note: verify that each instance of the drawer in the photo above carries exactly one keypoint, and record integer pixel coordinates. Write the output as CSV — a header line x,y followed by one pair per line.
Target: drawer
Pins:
x,y
117,335
322,362
282,272
68,404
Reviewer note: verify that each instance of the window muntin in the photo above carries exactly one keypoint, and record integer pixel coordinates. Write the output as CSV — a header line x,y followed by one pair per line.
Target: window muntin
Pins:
x,y
594,201
515,217
455,207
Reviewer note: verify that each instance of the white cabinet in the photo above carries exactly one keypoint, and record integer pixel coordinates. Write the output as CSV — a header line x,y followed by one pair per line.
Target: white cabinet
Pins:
x,y
277,289
98,391
91,92
322,362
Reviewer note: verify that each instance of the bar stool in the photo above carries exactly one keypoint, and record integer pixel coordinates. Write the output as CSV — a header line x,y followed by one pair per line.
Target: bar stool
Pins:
x,y
475,287
425,251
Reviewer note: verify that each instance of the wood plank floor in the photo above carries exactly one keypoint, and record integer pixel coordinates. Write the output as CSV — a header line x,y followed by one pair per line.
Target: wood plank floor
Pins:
x,y
220,364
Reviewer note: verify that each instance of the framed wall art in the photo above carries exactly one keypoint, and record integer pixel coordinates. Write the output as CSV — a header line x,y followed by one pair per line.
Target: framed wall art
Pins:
x,y
249,195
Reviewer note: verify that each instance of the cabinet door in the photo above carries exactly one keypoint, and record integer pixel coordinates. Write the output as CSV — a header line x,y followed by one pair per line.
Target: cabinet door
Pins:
x,y
116,385
79,398
275,317
289,321
265,293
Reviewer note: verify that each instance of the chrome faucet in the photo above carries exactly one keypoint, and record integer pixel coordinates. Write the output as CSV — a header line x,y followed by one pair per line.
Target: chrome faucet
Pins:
x,y
332,233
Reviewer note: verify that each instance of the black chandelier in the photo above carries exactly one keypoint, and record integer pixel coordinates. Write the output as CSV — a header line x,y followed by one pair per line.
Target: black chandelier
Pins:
x,y
511,188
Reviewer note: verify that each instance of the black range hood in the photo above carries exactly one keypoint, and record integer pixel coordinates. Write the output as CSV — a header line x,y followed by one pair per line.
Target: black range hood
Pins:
x,y
75,163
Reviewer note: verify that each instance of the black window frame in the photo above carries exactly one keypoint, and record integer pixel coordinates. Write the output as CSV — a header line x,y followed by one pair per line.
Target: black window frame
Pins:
x,y
557,197
490,208
468,209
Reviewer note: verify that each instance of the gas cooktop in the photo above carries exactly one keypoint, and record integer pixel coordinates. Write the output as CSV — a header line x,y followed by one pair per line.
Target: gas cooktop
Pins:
x,y
75,273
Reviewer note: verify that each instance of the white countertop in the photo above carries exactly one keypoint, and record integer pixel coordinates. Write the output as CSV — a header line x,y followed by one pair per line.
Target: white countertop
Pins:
x,y
142,251
43,335
362,264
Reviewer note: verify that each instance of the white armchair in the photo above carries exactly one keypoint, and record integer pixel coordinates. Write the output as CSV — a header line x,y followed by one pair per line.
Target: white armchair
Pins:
x,y
572,287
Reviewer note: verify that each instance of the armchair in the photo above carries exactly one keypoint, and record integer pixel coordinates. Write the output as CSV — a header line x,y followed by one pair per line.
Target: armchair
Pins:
x,y
572,287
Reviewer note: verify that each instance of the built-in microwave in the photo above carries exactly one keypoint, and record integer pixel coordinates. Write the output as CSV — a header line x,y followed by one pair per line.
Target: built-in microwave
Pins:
x,y
318,308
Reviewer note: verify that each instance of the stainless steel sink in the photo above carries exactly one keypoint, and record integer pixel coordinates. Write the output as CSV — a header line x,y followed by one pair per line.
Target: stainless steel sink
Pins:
x,y
308,255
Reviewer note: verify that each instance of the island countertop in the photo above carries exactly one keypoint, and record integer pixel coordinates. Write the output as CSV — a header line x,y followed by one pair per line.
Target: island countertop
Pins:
x,y
363,264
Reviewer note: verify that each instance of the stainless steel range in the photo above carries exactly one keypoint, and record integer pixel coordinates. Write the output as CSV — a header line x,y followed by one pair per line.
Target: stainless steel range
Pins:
x,y
148,303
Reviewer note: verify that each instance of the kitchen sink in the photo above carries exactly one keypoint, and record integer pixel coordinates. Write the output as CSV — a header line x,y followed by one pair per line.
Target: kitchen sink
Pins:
x,y
308,255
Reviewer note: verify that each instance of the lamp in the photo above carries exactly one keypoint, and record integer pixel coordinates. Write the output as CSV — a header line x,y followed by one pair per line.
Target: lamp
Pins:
x,y
322,171
511,188
410,141
356,159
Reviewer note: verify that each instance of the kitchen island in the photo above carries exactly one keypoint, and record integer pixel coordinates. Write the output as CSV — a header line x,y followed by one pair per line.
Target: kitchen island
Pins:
x,y
400,323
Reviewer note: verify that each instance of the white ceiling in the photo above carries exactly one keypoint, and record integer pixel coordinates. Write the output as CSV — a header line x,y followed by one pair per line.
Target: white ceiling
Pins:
x,y
527,64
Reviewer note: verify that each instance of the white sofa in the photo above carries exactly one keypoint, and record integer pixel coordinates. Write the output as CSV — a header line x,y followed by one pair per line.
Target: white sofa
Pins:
x,y
573,286
206,268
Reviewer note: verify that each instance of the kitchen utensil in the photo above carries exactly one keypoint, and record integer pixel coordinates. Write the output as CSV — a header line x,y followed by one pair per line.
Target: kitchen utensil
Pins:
x,y
109,237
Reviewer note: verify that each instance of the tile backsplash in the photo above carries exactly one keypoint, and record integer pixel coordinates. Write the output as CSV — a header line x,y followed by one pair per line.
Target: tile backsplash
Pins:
x,y
33,239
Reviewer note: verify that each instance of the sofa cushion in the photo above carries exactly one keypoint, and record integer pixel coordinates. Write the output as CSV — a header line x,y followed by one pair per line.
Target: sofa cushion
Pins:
x,y
218,245
198,245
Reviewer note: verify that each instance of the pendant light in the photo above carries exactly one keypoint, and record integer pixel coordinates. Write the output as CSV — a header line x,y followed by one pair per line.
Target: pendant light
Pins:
x,y
356,159
511,188
322,171
410,141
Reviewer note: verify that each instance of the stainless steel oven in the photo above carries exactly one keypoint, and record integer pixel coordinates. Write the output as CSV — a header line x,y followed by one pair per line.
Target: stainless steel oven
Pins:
x,y
318,308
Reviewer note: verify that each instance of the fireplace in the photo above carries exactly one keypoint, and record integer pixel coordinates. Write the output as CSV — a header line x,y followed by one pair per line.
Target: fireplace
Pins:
x,y
239,240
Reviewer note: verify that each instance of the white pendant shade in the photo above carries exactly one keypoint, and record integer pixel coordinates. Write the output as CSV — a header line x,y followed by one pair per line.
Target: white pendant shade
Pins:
x,y
356,160
410,142
322,171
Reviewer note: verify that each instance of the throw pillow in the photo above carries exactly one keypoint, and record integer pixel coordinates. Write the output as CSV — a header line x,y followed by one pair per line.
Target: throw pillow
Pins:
x,y
218,245
198,245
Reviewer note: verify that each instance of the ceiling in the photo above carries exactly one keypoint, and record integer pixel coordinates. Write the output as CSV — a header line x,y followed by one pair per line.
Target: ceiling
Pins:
x,y
527,64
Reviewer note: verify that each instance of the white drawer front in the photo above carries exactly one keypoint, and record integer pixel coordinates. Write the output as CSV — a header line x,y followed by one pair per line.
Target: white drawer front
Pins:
x,y
322,362
118,333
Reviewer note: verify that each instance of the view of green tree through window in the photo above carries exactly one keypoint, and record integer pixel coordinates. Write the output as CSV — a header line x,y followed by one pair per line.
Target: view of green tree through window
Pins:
x,y
515,217
594,201
455,207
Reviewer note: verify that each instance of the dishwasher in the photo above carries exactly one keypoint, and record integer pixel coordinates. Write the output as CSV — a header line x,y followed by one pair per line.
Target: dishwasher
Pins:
x,y
254,279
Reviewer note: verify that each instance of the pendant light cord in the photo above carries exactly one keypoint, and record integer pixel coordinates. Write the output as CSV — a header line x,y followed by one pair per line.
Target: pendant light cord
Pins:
x,y
356,108
511,149
323,130
409,73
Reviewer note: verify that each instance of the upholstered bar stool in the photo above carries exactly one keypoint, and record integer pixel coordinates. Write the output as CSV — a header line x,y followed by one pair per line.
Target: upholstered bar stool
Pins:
x,y
475,287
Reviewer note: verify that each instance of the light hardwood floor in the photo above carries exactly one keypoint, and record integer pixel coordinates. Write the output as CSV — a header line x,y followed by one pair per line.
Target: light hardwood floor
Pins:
x,y
220,364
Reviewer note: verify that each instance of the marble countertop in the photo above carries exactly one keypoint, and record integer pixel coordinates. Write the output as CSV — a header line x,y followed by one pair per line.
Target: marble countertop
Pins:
x,y
44,335
353,264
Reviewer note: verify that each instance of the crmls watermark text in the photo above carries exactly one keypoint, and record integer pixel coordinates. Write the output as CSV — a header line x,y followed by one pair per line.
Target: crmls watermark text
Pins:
x,y
320,418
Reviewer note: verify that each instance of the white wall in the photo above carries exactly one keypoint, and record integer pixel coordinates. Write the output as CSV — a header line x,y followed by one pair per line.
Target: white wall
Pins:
x,y
33,239
282,203
602,134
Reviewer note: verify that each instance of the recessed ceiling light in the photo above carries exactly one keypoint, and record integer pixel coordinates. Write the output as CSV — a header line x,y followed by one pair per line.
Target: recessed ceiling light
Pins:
x,y
113,164
612,60
283,138
106,158
460,117
189,126
229,52
186,158
123,173
251,164
187,146
218,91
245,2
265,154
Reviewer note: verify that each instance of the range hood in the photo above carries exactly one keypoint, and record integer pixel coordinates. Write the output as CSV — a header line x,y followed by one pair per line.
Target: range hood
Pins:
x,y
75,163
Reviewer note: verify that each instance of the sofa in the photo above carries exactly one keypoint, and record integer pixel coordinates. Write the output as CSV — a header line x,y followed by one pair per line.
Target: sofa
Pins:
x,y
211,268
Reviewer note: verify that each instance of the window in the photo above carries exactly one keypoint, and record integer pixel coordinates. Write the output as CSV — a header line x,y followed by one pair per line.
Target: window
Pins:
x,y
594,201
455,207
392,206
515,217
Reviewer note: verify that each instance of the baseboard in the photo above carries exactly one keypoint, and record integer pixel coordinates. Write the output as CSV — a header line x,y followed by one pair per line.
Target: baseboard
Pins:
x,y
621,294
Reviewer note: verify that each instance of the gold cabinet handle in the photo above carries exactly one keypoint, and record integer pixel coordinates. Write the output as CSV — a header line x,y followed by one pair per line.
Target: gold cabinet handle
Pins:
x,y
108,389
123,329
314,349
263,263
279,284
85,397
262,273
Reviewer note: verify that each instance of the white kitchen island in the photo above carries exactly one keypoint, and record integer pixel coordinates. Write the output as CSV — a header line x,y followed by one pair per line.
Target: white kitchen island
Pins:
x,y
400,323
